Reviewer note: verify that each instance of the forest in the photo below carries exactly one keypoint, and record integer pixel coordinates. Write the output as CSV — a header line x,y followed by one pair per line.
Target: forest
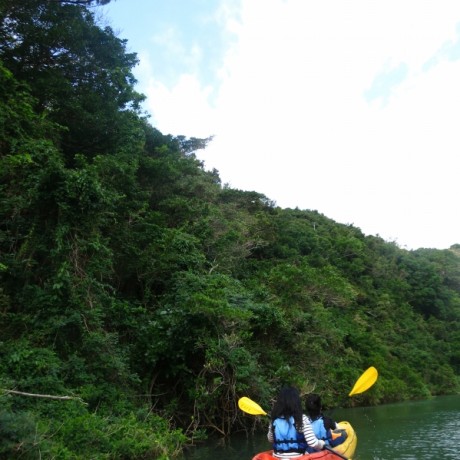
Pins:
x,y
140,297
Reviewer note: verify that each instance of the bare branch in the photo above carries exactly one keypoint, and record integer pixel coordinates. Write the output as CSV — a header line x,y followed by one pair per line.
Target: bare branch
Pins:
x,y
35,395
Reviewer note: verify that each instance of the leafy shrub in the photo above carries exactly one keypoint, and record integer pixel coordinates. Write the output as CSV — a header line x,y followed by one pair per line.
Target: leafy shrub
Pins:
x,y
17,433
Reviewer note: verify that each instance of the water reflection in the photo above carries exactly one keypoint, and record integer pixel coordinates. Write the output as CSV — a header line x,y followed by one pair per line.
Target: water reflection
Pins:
x,y
238,447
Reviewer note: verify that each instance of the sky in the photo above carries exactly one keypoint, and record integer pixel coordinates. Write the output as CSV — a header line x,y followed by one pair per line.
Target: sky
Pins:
x,y
347,107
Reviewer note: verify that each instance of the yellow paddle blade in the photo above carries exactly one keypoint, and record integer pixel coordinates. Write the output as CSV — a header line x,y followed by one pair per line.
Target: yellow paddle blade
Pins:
x,y
366,380
250,407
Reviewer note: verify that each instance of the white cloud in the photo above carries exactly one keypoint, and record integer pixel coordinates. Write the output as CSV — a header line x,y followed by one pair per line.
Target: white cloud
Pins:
x,y
182,109
292,120
294,123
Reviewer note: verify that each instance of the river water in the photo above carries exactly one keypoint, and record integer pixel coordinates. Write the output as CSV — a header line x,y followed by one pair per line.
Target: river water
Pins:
x,y
419,430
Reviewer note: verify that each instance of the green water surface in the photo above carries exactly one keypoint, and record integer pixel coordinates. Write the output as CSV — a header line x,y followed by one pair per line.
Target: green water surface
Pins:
x,y
420,430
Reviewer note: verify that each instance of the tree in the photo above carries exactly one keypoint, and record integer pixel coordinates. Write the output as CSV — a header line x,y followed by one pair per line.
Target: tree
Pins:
x,y
79,74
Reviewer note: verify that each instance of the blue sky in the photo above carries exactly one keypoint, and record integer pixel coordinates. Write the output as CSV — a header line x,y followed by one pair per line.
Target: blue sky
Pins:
x,y
347,107
173,38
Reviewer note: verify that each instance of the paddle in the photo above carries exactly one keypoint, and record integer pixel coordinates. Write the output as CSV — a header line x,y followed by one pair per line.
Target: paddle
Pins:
x,y
332,451
365,381
250,407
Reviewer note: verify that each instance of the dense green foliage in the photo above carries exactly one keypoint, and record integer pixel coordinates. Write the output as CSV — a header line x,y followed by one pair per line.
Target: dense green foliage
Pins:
x,y
152,296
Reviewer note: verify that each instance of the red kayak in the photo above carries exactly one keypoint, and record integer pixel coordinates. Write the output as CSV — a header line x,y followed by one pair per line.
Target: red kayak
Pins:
x,y
344,450
322,454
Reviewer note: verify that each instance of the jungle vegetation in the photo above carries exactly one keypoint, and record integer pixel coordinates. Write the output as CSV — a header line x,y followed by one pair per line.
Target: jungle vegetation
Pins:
x,y
148,296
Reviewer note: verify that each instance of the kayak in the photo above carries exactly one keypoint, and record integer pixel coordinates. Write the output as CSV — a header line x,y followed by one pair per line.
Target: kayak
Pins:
x,y
345,450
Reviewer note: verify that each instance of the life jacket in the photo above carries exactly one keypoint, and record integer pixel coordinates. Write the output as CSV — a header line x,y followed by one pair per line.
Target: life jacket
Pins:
x,y
286,437
319,429
332,439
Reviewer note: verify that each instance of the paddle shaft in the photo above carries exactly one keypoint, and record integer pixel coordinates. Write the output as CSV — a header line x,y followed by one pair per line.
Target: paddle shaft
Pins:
x,y
332,451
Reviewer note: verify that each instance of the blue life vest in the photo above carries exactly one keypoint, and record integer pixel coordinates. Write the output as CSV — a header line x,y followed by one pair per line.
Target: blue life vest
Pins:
x,y
286,437
321,433
319,430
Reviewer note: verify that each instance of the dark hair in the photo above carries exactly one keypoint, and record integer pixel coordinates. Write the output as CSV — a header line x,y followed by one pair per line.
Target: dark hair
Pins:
x,y
288,405
313,405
